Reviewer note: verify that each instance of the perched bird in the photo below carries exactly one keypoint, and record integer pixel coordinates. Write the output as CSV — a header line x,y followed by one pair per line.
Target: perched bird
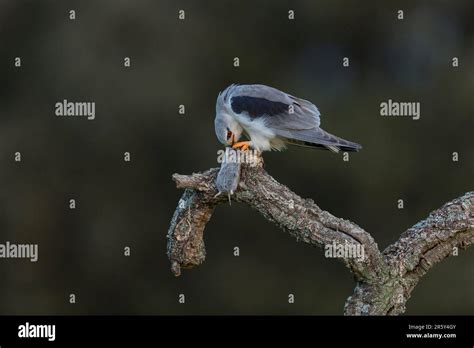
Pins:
x,y
270,119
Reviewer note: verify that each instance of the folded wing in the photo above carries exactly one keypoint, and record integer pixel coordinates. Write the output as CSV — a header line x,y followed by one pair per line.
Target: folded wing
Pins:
x,y
294,120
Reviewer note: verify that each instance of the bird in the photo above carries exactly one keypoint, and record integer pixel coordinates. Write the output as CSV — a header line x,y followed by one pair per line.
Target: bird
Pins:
x,y
271,119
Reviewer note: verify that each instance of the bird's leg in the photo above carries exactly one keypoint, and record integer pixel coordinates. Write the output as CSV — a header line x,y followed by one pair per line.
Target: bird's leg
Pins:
x,y
242,145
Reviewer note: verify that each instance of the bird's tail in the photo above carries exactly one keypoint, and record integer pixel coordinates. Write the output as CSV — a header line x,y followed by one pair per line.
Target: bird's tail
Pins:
x,y
319,138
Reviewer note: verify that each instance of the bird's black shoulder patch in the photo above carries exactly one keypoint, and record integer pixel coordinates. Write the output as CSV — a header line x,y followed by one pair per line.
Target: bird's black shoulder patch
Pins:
x,y
257,107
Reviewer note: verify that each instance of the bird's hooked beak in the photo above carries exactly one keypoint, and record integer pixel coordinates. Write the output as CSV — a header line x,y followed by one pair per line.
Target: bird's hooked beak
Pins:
x,y
232,139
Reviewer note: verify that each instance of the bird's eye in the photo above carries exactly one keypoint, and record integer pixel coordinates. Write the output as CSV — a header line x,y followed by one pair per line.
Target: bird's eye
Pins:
x,y
229,134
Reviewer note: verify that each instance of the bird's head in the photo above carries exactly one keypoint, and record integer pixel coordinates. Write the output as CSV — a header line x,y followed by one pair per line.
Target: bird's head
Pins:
x,y
228,131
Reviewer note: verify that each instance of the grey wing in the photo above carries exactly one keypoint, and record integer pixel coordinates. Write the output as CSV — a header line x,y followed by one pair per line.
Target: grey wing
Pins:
x,y
279,110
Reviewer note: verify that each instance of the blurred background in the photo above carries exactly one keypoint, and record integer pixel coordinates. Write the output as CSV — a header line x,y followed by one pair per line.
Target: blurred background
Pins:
x,y
188,62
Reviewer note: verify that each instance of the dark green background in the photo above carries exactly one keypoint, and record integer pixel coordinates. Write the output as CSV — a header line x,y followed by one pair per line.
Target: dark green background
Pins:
x,y
188,62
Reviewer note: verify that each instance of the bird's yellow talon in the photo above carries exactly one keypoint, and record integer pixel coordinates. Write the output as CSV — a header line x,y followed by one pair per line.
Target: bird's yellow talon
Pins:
x,y
242,145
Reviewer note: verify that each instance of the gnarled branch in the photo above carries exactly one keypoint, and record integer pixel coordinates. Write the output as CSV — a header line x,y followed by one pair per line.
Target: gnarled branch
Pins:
x,y
385,279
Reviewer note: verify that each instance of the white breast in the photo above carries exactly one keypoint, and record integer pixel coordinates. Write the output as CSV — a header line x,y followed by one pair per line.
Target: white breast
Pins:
x,y
261,136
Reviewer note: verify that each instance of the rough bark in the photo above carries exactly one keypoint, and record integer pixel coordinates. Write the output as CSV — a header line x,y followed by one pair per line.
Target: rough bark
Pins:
x,y
384,280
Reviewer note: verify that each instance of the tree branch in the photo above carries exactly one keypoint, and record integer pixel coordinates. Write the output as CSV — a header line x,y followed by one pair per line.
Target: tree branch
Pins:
x,y
384,280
